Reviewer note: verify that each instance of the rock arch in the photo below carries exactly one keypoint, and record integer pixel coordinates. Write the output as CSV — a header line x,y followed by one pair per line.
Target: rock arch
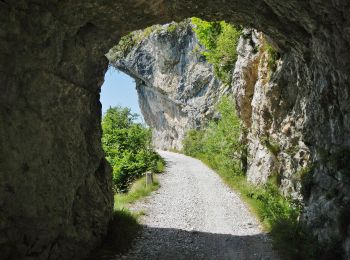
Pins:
x,y
55,194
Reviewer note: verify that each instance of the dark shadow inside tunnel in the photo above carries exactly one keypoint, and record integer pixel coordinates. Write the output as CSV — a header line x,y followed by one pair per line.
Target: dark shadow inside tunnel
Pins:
x,y
174,244
55,187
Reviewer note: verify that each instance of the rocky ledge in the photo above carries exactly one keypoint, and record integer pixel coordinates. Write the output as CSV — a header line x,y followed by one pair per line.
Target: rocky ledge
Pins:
x,y
176,87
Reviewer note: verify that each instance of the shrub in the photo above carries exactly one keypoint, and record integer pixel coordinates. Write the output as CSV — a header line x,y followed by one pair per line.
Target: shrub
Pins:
x,y
127,146
192,143
218,144
273,56
220,40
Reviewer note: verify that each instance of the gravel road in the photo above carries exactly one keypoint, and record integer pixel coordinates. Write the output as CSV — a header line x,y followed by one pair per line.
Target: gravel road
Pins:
x,y
194,215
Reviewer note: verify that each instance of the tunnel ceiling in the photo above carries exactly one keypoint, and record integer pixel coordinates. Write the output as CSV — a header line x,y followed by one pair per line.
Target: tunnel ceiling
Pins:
x,y
55,187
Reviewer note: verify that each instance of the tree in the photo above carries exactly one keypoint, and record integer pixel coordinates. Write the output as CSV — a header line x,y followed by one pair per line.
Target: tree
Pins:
x,y
128,148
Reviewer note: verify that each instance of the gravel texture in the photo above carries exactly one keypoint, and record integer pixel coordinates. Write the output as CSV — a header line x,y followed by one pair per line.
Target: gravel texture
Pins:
x,y
194,215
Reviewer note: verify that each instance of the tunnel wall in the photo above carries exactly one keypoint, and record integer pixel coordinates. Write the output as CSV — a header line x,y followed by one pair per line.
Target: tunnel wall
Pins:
x,y
55,185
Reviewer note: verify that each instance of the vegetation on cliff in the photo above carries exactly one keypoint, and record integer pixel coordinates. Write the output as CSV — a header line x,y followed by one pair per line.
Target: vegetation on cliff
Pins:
x,y
128,148
218,144
220,40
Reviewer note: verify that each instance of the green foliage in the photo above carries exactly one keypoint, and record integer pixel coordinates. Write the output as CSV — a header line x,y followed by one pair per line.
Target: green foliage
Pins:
x,y
141,35
292,150
220,40
219,143
129,41
305,176
273,56
126,43
127,146
172,28
193,142
137,191
273,207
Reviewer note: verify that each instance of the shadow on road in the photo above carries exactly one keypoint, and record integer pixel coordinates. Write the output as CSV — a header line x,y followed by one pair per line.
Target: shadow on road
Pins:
x,y
170,243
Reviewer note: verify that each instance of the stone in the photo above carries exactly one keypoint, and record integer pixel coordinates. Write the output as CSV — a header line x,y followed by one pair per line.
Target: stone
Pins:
x,y
176,87
55,196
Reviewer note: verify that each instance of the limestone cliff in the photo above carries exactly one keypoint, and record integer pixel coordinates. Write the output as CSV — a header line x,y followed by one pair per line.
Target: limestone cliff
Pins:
x,y
272,114
176,87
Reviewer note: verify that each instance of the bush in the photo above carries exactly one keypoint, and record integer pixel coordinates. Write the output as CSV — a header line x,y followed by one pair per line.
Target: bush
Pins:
x,y
192,143
273,56
219,143
127,146
220,40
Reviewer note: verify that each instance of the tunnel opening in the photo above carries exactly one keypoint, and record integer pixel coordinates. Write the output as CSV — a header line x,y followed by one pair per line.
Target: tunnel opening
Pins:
x,y
275,152
52,63
173,53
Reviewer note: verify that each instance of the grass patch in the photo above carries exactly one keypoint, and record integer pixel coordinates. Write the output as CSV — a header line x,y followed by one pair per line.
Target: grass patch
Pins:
x,y
160,165
137,191
124,225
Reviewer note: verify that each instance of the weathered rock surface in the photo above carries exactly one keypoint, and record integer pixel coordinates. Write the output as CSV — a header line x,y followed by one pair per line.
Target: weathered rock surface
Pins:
x,y
274,139
176,87
278,108
55,200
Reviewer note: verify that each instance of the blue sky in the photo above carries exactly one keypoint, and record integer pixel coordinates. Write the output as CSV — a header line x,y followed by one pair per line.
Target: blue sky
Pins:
x,y
119,89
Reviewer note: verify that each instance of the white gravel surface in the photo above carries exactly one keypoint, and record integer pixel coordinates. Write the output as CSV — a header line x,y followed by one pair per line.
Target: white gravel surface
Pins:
x,y
194,215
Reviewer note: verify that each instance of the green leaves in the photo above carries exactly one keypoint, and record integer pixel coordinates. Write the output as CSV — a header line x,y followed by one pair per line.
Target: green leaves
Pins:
x,y
220,40
127,146
219,143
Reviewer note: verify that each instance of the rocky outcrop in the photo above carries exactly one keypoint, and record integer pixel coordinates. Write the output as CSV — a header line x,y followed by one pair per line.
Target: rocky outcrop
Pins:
x,y
176,87
55,199
272,115
276,105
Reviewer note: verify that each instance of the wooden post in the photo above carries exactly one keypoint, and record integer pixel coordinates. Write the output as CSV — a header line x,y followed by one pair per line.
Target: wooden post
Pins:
x,y
149,179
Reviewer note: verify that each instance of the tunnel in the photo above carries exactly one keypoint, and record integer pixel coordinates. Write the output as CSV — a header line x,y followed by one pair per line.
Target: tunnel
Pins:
x,y
55,184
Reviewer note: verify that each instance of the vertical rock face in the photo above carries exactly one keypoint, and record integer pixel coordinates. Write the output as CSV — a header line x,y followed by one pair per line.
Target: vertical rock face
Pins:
x,y
285,119
268,105
176,87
